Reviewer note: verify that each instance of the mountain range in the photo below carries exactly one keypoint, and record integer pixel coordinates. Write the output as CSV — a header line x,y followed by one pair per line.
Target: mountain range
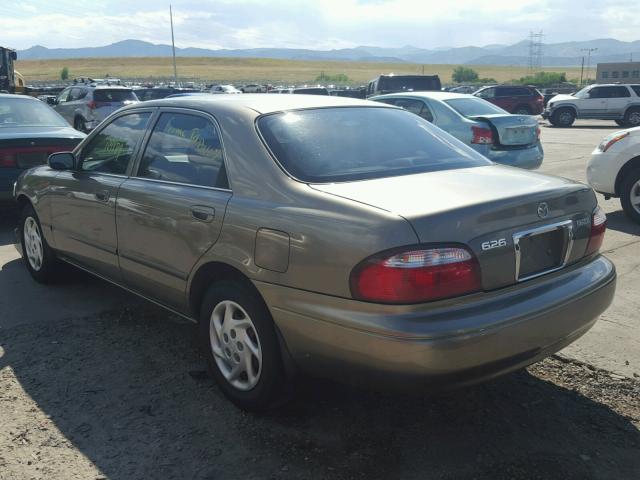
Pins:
x,y
556,54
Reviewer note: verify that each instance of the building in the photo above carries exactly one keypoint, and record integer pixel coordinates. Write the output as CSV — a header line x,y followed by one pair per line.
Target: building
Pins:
x,y
627,72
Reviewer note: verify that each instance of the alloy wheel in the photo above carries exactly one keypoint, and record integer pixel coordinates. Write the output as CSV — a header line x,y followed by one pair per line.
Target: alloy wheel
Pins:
x,y
634,119
634,196
33,243
235,345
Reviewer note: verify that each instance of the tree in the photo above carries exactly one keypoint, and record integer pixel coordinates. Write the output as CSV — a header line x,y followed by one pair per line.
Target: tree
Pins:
x,y
544,79
64,73
464,74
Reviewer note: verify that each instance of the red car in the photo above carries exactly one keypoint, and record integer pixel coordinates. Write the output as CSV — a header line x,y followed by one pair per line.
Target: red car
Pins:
x,y
518,99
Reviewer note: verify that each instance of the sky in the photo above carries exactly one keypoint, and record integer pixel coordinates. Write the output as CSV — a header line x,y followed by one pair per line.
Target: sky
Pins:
x,y
316,24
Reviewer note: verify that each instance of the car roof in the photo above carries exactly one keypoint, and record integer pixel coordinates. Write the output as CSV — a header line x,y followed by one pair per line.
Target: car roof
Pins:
x,y
428,94
261,102
21,97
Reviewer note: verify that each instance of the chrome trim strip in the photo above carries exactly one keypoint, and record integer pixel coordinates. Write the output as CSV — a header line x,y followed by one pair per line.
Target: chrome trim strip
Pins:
x,y
169,182
566,225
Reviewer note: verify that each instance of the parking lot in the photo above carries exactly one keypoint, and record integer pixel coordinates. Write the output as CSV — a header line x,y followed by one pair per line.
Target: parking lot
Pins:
x,y
95,383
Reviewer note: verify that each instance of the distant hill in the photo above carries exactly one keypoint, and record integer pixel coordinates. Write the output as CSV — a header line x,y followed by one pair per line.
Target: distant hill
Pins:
x,y
558,54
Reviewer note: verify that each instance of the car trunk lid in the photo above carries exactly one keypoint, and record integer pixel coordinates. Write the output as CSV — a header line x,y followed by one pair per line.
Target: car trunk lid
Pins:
x,y
490,209
28,147
512,130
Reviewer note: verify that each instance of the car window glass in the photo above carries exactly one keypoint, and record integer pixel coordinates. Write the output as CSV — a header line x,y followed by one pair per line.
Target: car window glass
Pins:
x,y
619,92
415,106
64,95
488,93
636,88
186,149
598,92
111,149
115,95
76,93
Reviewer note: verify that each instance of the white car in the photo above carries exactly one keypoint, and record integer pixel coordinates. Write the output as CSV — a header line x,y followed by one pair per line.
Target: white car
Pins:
x,y
253,89
614,169
617,102
224,89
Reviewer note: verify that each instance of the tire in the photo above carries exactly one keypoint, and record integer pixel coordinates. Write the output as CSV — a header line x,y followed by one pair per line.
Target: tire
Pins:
x,y
38,257
620,123
238,337
632,118
80,125
522,110
563,118
630,195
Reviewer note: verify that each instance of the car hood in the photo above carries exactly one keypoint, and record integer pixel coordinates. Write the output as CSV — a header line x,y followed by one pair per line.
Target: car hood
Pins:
x,y
11,133
562,96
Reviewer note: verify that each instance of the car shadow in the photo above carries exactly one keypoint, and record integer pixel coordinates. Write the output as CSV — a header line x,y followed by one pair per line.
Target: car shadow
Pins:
x,y
8,221
127,390
619,221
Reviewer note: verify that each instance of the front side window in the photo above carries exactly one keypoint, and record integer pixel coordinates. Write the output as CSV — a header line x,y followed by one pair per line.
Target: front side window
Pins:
x,y
184,148
110,151
64,95
356,143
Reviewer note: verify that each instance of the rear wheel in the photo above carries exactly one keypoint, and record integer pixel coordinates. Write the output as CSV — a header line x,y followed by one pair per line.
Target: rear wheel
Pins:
x,y
632,118
37,255
522,110
630,195
563,118
80,124
239,339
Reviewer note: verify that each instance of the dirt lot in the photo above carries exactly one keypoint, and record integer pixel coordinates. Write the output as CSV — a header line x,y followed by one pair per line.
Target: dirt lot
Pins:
x,y
96,384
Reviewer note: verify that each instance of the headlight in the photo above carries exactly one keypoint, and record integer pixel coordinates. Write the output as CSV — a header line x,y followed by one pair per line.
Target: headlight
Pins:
x,y
550,105
610,140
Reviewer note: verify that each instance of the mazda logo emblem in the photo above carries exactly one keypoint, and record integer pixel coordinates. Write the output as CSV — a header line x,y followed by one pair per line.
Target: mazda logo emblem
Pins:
x,y
543,210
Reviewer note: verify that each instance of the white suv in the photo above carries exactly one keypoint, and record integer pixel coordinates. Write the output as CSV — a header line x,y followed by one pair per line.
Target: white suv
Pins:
x,y
617,102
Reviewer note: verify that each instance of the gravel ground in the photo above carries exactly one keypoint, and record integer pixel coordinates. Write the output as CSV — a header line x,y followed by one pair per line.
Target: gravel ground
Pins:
x,y
125,396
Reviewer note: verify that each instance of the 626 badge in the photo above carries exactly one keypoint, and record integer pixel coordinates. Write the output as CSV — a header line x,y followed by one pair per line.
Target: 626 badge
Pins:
x,y
491,244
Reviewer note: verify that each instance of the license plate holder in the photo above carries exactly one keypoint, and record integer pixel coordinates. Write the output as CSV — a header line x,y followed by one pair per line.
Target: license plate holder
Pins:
x,y
542,250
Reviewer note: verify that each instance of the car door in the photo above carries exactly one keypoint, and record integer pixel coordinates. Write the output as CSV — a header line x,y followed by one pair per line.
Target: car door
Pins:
x,y
170,211
61,105
595,103
618,100
84,199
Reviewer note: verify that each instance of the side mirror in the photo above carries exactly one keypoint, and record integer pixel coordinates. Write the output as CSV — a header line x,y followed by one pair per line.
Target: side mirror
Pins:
x,y
62,161
52,100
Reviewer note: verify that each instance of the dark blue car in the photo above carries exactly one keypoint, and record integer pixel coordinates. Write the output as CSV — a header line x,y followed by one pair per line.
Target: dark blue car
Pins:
x,y
30,131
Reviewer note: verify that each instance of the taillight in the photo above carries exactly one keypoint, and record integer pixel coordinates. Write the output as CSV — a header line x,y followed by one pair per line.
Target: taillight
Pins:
x,y
482,135
92,105
608,142
416,275
598,227
537,132
8,159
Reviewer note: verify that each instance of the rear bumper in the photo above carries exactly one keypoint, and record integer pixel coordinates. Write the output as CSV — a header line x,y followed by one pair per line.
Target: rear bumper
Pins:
x,y
529,158
479,337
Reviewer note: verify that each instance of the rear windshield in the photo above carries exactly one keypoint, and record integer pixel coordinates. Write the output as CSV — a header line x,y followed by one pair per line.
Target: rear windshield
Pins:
x,y
473,107
357,143
115,95
20,112
401,83
311,91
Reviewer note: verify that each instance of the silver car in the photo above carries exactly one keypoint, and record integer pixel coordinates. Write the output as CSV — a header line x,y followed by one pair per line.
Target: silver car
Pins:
x,y
85,106
327,235
495,133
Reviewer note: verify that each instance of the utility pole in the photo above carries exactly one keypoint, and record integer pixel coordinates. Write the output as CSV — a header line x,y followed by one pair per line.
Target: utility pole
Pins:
x,y
173,47
582,70
588,50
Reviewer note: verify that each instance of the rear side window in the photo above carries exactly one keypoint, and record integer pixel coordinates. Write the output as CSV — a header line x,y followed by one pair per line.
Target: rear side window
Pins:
x,y
115,95
636,89
417,107
487,93
357,143
184,148
111,149
619,92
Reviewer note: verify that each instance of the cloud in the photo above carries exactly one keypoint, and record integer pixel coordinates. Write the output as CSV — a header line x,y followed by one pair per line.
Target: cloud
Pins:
x,y
321,24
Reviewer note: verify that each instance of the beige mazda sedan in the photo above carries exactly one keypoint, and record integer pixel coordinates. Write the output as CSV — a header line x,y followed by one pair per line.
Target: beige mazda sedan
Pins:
x,y
334,236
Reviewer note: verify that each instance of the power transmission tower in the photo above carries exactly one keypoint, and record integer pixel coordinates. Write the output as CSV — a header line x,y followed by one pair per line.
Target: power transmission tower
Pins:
x,y
589,52
535,51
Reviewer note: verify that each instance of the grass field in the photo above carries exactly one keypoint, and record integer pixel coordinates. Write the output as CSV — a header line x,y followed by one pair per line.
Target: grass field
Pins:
x,y
239,70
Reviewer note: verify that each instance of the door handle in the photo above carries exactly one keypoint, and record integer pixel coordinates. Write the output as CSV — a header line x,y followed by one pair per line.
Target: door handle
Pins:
x,y
204,214
103,196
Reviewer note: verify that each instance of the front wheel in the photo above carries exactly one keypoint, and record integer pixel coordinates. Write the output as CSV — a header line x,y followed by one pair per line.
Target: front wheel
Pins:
x,y
239,339
562,118
38,256
630,195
